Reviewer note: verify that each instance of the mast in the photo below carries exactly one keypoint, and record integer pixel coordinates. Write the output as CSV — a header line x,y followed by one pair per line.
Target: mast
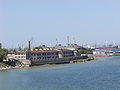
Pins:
x,y
68,40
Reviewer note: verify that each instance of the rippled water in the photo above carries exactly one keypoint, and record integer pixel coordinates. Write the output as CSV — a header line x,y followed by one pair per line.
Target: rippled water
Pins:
x,y
101,74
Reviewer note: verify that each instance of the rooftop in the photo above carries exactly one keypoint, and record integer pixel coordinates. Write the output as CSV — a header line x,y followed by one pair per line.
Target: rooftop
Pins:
x,y
42,51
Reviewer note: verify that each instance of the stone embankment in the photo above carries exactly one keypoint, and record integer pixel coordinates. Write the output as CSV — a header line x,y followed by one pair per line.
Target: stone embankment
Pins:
x,y
84,60
11,67
4,66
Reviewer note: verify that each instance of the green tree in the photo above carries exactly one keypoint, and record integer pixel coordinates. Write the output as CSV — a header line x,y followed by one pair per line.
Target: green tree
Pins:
x,y
38,47
85,51
3,54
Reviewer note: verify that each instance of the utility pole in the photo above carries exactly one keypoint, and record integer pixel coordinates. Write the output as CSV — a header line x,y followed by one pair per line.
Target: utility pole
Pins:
x,y
95,44
106,43
56,42
74,41
0,45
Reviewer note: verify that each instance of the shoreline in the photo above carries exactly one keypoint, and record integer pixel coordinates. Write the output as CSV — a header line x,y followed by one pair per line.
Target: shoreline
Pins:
x,y
105,55
10,67
71,62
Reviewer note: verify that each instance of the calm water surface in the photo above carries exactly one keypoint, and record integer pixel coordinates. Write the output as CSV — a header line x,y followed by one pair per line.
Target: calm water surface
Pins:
x,y
101,74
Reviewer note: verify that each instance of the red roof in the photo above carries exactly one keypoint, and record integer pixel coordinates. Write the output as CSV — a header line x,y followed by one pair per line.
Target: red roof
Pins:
x,y
42,51
64,49
16,52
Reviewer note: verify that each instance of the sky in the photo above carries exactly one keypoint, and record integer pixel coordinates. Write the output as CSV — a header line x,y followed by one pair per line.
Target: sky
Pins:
x,y
44,21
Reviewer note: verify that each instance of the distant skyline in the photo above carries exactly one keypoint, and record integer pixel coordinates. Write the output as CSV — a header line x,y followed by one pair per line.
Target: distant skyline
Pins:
x,y
44,21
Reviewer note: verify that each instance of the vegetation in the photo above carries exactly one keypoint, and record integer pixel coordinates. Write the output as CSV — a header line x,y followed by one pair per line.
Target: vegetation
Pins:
x,y
85,51
38,47
12,50
3,54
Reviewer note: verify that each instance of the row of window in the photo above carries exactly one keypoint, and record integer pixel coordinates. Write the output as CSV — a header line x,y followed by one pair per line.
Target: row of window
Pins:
x,y
43,58
39,54
19,53
20,57
68,55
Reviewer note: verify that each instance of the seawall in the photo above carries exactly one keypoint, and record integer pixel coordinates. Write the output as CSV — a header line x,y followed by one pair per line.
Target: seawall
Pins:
x,y
62,60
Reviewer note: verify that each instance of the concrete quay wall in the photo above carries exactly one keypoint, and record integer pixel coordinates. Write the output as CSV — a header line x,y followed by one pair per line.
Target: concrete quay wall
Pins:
x,y
57,60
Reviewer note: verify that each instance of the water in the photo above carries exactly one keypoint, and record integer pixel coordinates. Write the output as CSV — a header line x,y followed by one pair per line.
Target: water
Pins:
x,y
101,74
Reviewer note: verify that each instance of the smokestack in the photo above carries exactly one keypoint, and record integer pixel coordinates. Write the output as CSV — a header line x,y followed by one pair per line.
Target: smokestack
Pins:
x,y
29,47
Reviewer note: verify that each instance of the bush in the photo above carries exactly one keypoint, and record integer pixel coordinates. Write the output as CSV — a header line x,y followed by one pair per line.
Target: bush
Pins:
x,y
3,54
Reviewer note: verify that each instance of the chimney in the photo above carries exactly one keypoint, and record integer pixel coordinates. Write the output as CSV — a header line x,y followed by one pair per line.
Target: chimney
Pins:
x,y
29,47
68,40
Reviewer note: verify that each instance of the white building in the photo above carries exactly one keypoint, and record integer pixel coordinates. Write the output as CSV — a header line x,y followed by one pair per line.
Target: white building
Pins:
x,y
17,55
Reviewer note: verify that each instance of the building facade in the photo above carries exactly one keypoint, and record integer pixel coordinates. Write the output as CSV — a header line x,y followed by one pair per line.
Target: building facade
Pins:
x,y
64,53
44,56
41,55
17,55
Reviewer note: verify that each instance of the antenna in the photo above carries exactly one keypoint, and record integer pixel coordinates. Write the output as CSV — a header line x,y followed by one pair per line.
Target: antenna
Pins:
x,y
56,41
41,43
106,43
95,44
74,41
68,40
19,48
32,42
114,43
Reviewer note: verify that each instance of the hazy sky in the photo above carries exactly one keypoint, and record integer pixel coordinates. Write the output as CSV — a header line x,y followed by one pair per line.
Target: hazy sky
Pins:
x,y
85,21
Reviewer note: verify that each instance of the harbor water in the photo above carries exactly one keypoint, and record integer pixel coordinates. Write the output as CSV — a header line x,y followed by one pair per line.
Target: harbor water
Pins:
x,y
100,74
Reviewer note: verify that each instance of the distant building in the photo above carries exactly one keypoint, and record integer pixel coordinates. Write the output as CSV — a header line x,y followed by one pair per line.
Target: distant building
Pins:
x,y
73,47
90,47
42,56
118,46
36,56
46,55
99,52
63,53
59,46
